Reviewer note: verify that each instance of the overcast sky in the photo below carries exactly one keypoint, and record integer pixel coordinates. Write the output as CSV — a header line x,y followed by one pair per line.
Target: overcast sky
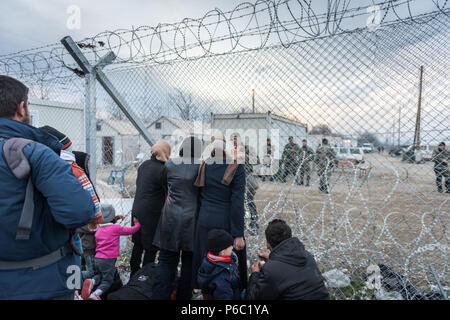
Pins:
x,y
27,24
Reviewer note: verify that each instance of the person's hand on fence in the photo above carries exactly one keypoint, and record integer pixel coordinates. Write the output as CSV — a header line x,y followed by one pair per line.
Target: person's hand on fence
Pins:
x,y
256,267
264,256
239,243
135,220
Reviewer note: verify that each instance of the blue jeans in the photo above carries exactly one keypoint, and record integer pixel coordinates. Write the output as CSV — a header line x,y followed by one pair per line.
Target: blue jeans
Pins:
x,y
90,266
166,272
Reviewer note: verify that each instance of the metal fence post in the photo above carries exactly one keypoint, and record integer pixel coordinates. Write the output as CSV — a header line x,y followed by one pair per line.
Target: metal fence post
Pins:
x,y
90,122
97,73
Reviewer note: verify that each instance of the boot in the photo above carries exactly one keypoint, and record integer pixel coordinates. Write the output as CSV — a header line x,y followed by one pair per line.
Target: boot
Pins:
x,y
301,182
307,182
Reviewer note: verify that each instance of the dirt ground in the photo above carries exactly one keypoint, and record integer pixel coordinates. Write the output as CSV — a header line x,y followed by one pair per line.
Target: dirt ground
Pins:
x,y
390,212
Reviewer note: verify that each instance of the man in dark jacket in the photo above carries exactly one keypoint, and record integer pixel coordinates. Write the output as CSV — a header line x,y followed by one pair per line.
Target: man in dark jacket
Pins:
x,y
290,272
39,266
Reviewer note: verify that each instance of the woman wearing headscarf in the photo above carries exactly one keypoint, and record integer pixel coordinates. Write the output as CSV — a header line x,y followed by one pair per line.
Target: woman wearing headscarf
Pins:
x,y
222,181
175,233
151,188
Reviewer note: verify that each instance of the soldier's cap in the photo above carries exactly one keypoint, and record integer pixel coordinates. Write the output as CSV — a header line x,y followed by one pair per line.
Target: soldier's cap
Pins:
x,y
442,144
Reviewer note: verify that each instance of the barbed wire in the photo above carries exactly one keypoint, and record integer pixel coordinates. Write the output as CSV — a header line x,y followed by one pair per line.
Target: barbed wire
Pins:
x,y
249,26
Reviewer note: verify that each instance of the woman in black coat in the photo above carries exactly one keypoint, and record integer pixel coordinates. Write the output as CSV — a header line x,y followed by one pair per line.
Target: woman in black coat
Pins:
x,y
151,188
175,233
221,205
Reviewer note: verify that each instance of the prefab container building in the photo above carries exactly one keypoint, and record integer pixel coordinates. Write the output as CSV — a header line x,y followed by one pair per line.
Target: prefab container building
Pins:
x,y
67,118
255,128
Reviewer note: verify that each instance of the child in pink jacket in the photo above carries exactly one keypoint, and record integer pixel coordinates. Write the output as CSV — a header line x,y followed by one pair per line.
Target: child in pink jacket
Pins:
x,y
107,239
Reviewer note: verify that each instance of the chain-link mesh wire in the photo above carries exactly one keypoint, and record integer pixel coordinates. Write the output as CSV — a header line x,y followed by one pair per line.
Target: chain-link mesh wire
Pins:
x,y
357,88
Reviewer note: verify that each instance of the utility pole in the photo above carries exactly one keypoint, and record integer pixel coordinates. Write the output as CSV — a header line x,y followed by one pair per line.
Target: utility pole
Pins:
x,y
393,134
253,100
399,116
419,106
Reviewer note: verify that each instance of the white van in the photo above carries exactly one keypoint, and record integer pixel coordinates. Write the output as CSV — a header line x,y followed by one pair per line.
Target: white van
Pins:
x,y
367,147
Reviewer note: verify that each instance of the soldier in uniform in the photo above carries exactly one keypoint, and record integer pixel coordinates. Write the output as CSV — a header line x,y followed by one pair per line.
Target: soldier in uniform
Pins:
x,y
252,185
325,158
290,156
306,156
440,158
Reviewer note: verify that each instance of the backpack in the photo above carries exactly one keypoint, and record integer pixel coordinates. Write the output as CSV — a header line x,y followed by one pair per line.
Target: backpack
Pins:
x,y
20,167
139,287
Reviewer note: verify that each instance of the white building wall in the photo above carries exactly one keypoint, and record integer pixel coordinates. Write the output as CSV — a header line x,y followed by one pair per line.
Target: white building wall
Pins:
x,y
64,117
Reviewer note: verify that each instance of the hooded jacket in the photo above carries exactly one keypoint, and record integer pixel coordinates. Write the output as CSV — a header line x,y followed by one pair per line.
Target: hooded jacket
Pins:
x,y
61,204
291,273
219,276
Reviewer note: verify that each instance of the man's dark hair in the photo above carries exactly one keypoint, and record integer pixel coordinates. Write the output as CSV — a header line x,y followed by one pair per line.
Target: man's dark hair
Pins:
x,y
12,92
304,140
277,231
324,141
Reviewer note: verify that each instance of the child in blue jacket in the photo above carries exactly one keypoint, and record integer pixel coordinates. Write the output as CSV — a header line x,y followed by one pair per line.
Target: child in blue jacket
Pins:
x,y
218,275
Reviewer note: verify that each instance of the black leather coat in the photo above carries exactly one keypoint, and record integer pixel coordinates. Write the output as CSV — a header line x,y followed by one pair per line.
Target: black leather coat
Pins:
x,y
177,224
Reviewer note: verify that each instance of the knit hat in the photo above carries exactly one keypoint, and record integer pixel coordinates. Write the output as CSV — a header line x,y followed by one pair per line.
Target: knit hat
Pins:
x,y
108,212
62,138
219,240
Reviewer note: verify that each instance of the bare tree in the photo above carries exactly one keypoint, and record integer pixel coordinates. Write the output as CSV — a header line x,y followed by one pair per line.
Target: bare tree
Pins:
x,y
367,137
113,109
321,129
184,104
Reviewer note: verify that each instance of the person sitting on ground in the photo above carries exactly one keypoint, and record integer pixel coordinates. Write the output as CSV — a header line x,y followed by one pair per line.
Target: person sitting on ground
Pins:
x,y
289,272
218,275
107,238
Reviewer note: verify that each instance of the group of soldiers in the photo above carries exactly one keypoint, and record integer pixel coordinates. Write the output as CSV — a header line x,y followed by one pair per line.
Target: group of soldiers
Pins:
x,y
295,157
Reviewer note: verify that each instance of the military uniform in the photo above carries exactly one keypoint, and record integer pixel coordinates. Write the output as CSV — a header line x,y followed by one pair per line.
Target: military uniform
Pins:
x,y
290,157
325,156
441,168
306,156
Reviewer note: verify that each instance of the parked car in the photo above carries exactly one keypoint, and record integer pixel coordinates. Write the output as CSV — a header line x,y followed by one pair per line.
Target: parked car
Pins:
x,y
357,154
342,153
396,152
427,151
367,147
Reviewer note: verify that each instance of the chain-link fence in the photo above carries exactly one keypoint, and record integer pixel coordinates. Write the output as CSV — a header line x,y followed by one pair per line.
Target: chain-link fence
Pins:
x,y
300,74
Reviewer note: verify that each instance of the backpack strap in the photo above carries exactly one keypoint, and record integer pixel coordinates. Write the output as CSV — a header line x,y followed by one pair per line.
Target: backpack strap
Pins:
x,y
20,167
